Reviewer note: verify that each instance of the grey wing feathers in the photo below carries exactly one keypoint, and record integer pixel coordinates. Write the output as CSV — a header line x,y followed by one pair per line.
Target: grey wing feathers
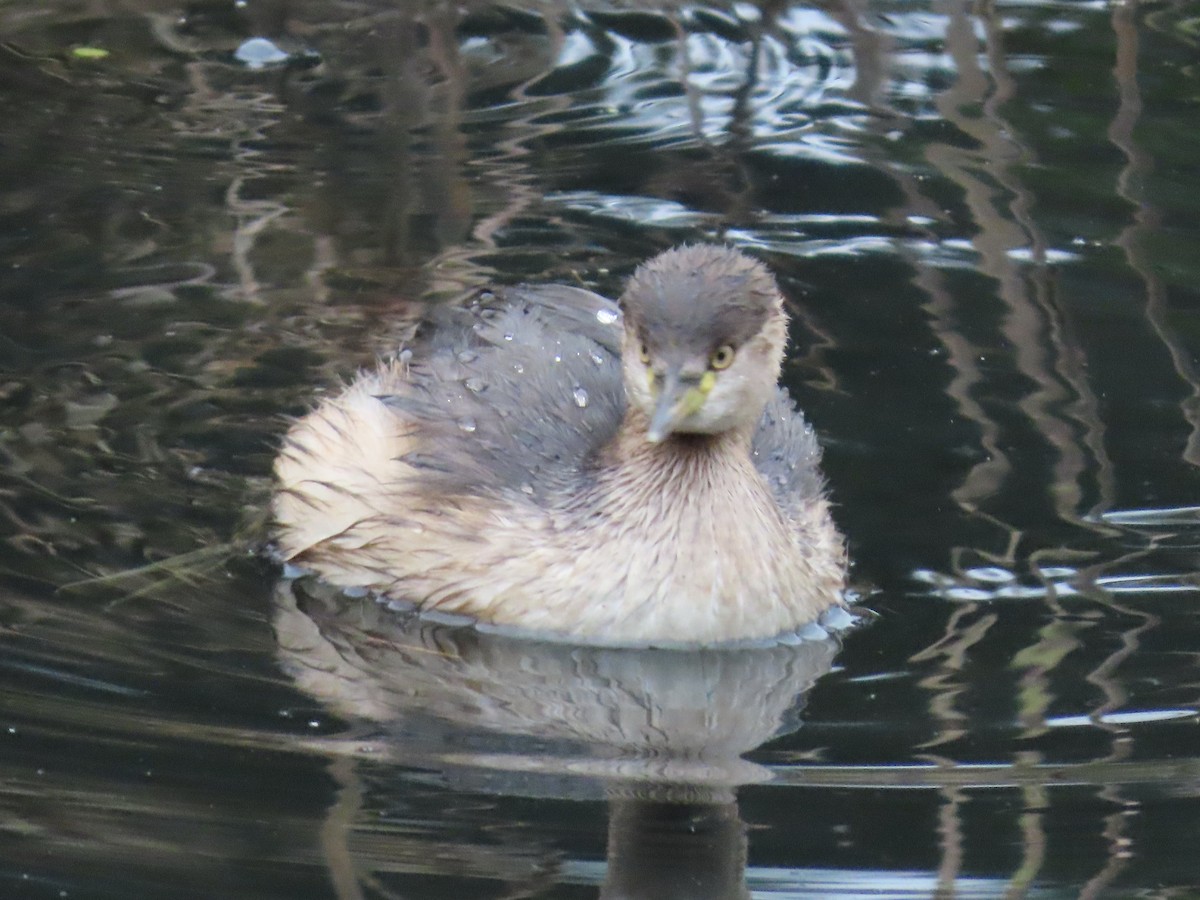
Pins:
x,y
519,389
787,453
514,392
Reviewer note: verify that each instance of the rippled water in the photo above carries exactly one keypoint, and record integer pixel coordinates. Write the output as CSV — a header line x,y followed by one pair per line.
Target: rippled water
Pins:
x,y
985,216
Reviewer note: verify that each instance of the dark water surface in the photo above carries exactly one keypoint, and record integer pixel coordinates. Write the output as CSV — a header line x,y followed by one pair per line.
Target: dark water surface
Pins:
x,y
987,218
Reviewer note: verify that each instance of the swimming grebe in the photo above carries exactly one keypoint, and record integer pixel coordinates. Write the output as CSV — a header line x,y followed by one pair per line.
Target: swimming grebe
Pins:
x,y
547,460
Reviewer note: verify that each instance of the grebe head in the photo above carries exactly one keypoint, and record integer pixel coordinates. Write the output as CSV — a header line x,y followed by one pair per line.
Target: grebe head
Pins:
x,y
703,345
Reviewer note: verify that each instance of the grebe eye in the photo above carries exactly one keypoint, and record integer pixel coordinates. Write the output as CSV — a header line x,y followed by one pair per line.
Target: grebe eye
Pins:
x,y
644,352
722,357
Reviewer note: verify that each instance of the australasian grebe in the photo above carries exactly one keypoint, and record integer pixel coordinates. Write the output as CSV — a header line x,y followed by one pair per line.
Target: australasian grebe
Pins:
x,y
547,460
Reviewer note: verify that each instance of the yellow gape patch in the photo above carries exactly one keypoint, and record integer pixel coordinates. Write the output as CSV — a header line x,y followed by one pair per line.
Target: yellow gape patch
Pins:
x,y
693,400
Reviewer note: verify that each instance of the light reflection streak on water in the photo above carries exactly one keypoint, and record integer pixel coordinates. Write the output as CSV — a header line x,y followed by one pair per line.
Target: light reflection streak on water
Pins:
x,y
786,80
